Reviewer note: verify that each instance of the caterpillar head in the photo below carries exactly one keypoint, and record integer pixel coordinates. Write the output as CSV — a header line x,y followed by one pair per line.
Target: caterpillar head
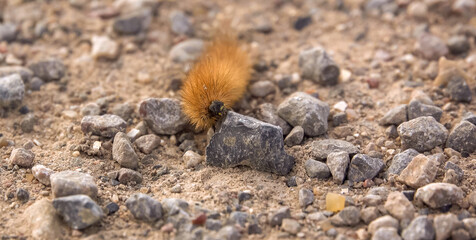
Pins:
x,y
217,109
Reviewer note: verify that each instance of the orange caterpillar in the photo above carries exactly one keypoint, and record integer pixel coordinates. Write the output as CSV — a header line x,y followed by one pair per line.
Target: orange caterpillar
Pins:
x,y
216,82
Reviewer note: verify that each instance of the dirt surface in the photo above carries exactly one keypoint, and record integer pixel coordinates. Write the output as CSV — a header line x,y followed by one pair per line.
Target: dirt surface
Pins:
x,y
352,36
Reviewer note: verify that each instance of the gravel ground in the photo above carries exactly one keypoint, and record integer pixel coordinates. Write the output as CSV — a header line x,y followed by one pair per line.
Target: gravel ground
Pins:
x,y
359,122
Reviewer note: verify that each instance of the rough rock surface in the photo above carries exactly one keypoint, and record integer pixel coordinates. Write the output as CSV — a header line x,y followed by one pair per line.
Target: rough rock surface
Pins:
x,y
163,116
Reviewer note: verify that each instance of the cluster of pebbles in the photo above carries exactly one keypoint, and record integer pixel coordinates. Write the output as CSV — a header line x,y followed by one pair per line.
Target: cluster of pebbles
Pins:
x,y
411,182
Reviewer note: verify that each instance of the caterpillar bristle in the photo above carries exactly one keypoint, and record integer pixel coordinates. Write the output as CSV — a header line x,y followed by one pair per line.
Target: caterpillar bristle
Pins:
x,y
220,76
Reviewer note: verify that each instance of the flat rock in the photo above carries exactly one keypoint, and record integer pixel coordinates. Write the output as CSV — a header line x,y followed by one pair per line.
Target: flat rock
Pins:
x,y
127,176
417,109
78,211
105,125
294,137
399,206
12,91
364,167
188,50
48,70
41,216
349,216
243,140
144,208
419,228
422,134
276,218
419,172
338,163
437,195
42,174
316,169
302,109
463,137
68,183
163,115
22,157
400,161
444,224
320,149
385,221
267,112
395,116
123,151
306,197
147,143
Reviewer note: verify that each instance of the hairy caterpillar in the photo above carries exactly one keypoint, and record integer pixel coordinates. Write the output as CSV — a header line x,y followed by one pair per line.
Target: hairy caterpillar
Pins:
x,y
216,81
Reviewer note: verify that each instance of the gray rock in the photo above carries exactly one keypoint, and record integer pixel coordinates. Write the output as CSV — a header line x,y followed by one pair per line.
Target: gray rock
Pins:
x,y
229,233
385,221
372,200
470,117
42,174
212,224
318,66
127,176
320,149
242,140
262,88
276,218
458,89
25,73
90,109
302,109
163,115
458,45
123,151
188,50
48,70
8,32
420,228
338,163
419,172
364,167
395,116
137,131
339,119
306,197
401,161
386,233
22,157
105,125
316,216
437,195
22,195
12,91
41,216
444,224
470,226
239,218
294,137
316,169
417,109
291,226
147,143
180,23
28,122
268,113
349,216
68,183
144,208
78,211
369,214
399,206
124,111
380,5
172,206
458,171
133,23
422,134
463,137
192,159
431,47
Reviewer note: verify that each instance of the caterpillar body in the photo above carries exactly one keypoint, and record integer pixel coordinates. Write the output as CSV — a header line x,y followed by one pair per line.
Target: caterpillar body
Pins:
x,y
216,81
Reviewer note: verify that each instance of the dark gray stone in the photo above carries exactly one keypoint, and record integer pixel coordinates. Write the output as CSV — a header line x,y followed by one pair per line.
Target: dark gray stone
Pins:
x,y
339,119
320,149
36,83
316,169
111,208
294,137
243,196
105,125
391,132
127,176
459,172
422,134
144,207
470,117
163,115
302,109
401,161
276,218
180,23
212,224
349,216
8,32
239,218
420,228
12,91
123,151
133,23
364,167
458,45
48,70
306,197
458,89
22,195
338,163
395,116
68,183
318,66
242,140
268,113
463,137
123,110
417,109
79,211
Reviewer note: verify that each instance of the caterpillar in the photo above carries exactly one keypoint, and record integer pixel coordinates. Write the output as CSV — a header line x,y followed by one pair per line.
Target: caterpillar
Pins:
x,y
216,81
